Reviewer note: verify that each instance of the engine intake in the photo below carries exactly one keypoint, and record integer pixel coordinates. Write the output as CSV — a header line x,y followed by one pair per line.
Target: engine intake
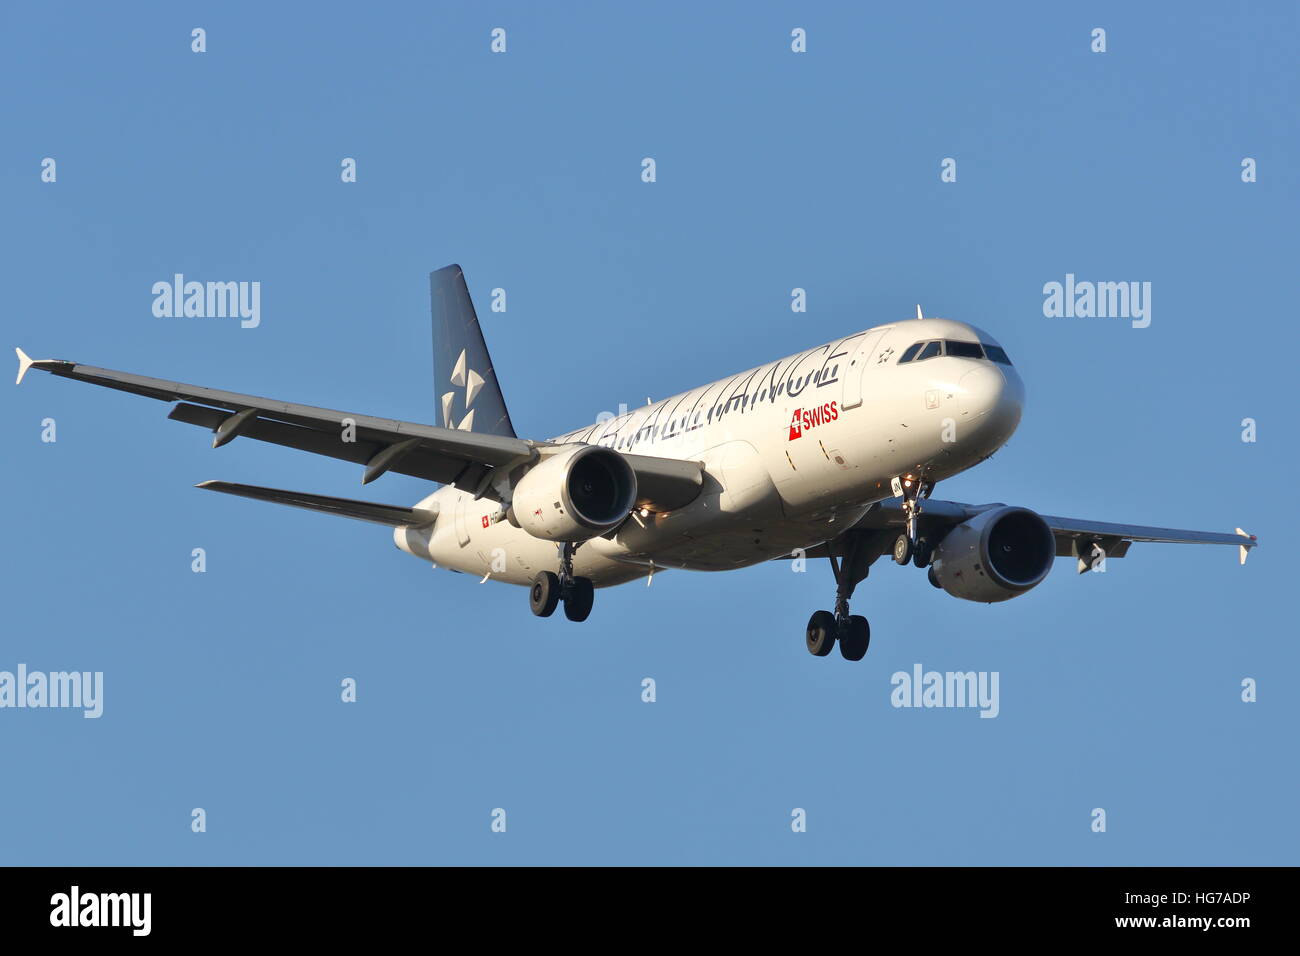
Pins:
x,y
575,494
995,556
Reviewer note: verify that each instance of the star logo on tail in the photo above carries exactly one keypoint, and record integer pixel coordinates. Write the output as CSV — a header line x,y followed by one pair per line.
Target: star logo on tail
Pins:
x,y
462,376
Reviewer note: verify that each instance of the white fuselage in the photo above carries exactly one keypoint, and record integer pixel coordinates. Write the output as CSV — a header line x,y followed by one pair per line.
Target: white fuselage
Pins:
x,y
769,487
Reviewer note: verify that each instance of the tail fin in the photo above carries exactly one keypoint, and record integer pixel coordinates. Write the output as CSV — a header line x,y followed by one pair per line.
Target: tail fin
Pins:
x,y
469,396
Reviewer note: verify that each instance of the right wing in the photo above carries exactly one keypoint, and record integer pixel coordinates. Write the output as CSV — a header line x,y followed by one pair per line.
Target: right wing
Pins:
x,y
889,515
1074,536
472,461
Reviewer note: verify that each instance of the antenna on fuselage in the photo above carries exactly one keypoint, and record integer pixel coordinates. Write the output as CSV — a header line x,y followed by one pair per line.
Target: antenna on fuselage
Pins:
x,y
918,311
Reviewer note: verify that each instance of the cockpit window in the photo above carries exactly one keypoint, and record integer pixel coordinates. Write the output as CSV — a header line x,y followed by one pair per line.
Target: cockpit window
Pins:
x,y
996,353
964,349
920,351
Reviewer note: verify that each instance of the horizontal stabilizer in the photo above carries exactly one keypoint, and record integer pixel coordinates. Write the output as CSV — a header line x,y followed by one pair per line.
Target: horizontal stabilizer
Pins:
x,y
362,510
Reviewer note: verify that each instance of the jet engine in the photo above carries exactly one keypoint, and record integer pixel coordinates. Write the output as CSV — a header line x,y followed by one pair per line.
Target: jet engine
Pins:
x,y
575,494
995,556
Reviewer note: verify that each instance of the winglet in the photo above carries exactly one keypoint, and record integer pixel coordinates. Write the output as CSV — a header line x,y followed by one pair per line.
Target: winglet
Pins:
x,y
1245,548
24,363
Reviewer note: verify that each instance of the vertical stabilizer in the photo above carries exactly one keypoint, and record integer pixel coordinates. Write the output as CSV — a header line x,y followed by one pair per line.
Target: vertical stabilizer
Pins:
x,y
465,384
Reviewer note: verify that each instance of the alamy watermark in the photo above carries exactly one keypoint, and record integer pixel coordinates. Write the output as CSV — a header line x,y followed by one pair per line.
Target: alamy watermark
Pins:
x,y
129,910
208,300
922,688
37,689
1100,300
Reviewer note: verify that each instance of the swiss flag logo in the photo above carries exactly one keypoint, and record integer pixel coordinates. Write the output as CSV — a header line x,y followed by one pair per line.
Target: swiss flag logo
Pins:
x,y
485,521
796,424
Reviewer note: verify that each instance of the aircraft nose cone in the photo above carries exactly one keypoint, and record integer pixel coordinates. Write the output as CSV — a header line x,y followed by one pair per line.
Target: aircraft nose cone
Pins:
x,y
979,390
991,399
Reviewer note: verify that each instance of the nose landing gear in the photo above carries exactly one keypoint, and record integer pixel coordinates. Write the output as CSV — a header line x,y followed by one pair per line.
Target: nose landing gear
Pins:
x,y
909,546
549,589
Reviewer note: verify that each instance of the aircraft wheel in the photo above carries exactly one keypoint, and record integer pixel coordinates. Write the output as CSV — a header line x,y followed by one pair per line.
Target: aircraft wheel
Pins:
x,y
577,603
821,633
902,549
856,638
544,595
922,553
933,578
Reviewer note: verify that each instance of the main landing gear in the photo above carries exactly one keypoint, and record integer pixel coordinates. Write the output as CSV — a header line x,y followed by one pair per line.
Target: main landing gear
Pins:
x,y
850,631
549,589
859,550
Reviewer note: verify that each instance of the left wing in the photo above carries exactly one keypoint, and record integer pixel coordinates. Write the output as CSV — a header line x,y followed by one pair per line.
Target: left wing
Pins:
x,y
472,461
445,455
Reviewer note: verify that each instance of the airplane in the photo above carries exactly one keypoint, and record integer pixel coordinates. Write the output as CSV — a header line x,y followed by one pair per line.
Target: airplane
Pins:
x,y
829,453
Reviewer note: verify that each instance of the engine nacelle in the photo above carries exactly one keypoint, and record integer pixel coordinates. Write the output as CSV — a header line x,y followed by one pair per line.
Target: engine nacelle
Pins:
x,y
574,494
995,556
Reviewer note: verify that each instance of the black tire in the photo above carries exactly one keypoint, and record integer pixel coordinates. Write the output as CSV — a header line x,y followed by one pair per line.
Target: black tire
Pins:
x,y
544,595
922,553
933,578
902,549
577,603
821,633
856,638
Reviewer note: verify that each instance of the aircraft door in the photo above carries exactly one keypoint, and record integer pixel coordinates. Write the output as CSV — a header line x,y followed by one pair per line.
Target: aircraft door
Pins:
x,y
857,362
462,531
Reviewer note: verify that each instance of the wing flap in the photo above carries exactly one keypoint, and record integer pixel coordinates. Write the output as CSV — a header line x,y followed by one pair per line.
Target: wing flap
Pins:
x,y
666,484
418,463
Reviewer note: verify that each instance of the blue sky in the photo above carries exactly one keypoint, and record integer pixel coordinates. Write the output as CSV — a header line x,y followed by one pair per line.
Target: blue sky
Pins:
x,y
775,170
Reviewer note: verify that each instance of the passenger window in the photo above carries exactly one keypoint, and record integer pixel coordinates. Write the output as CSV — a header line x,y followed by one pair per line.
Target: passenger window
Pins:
x,y
930,351
964,349
910,353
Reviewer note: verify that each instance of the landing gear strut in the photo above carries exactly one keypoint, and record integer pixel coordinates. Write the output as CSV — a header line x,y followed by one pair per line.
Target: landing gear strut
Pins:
x,y
550,589
909,546
850,631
